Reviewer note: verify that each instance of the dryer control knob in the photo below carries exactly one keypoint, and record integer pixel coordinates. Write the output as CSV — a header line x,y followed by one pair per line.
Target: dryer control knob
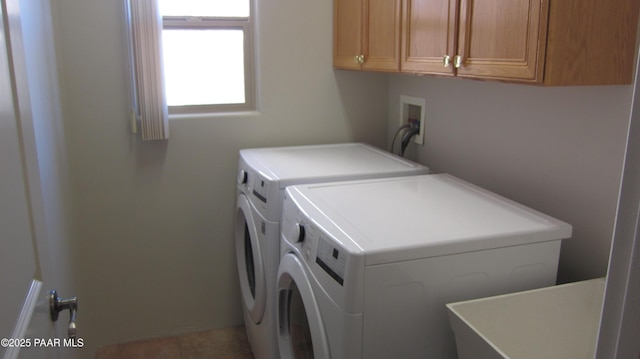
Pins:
x,y
243,176
301,232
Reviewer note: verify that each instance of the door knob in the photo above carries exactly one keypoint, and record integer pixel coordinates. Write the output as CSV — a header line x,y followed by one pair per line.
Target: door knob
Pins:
x,y
56,305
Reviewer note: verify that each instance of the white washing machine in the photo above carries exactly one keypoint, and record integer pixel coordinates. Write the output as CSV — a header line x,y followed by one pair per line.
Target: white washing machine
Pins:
x,y
263,174
368,266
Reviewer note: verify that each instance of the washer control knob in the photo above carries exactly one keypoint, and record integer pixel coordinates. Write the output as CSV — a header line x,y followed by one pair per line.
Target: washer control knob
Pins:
x,y
243,176
301,232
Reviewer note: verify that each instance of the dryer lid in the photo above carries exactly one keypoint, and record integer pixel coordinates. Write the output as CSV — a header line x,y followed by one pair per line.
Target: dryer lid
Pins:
x,y
319,163
415,217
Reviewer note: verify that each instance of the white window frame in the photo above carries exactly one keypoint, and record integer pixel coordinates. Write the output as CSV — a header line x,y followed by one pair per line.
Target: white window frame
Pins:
x,y
150,111
221,23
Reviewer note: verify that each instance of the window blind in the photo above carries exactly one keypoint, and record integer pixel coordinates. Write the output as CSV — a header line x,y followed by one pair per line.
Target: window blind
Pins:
x,y
149,97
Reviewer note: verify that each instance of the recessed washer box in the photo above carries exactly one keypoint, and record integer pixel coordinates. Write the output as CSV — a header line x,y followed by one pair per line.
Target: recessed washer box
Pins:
x,y
413,108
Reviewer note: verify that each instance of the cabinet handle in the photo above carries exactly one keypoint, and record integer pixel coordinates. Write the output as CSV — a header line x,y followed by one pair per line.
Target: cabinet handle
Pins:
x,y
361,59
457,61
446,60
356,59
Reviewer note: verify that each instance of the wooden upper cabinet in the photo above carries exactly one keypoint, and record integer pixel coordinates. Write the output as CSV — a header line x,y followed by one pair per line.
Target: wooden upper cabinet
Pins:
x,y
502,39
548,42
429,29
591,42
489,39
347,33
367,34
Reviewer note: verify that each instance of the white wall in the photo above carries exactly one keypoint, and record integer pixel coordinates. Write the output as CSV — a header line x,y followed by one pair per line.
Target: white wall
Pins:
x,y
558,150
153,246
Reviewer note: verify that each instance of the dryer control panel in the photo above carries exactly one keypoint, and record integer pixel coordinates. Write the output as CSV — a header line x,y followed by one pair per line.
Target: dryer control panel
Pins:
x,y
331,260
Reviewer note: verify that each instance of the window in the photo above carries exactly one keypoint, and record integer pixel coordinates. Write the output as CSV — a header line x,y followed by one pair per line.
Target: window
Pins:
x,y
189,57
207,55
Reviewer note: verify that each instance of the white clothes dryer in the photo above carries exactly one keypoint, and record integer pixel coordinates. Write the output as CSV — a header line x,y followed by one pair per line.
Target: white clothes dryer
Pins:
x,y
263,174
368,266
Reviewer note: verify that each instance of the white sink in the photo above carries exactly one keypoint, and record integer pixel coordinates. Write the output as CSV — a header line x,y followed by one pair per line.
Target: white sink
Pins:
x,y
559,322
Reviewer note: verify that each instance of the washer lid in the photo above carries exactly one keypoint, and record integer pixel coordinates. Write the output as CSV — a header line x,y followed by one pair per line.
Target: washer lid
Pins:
x,y
319,163
406,218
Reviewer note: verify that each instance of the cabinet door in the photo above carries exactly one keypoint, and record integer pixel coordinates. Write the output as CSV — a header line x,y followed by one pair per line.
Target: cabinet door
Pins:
x,y
347,33
503,39
381,35
428,35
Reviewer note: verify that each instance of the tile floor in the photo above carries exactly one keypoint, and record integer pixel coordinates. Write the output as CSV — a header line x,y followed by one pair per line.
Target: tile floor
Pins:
x,y
228,343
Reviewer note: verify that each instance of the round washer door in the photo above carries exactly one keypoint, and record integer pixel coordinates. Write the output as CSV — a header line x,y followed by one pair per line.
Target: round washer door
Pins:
x,y
301,332
249,258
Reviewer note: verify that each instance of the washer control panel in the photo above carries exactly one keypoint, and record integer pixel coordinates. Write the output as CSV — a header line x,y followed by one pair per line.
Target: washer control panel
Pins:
x,y
260,188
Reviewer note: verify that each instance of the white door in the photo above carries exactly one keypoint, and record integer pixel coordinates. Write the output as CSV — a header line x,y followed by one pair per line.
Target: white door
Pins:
x,y
26,330
301,332
17,256
251,269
